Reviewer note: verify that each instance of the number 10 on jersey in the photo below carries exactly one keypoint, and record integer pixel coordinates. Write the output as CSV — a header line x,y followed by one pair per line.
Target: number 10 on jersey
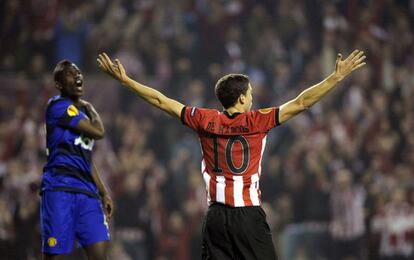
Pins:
x,y
228,154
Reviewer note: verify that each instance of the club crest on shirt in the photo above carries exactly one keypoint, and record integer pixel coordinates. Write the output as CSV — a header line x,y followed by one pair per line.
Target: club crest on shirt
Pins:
x,y
51,241
72,111
265,110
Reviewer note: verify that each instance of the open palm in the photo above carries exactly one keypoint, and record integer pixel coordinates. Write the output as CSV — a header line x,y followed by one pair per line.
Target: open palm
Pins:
x,y
116,70
354,61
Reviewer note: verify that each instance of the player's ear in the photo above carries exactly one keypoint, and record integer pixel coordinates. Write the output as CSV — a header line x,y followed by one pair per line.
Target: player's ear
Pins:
x,y
242,99
58,86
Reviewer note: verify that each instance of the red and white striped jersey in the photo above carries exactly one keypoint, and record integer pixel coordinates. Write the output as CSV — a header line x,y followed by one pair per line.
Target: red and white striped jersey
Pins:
x,y
232,150
347,220
395,223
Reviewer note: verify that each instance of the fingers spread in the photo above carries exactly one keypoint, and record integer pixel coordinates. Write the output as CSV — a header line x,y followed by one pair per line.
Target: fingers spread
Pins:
x,y
101,58
360,59
101,65
358,66
111,66
359,55
352,55
104,63
107,59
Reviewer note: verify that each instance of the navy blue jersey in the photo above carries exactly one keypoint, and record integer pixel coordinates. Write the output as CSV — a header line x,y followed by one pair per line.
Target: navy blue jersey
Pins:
x,y
69,153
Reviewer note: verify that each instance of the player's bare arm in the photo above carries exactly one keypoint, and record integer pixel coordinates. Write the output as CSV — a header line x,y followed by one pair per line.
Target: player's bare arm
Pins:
x,y
92,127
150,95
107,202
313,94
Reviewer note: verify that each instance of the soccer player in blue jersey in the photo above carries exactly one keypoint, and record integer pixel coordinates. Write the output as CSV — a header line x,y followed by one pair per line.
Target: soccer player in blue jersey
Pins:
x,y
75,202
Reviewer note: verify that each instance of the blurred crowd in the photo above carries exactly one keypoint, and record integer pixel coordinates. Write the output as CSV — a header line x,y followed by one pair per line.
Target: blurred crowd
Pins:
x,y
338,180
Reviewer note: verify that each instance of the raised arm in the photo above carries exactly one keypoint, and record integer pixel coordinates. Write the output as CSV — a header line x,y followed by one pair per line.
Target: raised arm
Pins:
x,y
313,94
152,96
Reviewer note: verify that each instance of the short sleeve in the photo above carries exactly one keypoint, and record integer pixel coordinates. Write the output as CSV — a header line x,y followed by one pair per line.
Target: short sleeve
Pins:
x,y
266,118
64,113
191,117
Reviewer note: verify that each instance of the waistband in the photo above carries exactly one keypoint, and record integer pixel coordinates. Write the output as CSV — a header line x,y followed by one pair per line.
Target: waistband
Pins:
x,y
71,189
65,170
221,205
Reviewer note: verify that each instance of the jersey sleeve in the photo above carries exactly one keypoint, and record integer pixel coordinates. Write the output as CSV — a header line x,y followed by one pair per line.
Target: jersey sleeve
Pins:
x,y
64,114
192,117
266,118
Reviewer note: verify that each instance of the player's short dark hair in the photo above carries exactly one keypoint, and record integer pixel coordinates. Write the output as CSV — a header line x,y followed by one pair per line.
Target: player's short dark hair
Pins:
x,y
230,87
59,71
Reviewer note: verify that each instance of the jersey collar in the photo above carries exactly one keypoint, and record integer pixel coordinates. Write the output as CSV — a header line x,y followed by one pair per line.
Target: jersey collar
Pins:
x,y
231,116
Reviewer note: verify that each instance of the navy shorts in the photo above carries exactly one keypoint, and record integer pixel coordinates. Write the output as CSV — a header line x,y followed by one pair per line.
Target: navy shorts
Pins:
x,y
69,216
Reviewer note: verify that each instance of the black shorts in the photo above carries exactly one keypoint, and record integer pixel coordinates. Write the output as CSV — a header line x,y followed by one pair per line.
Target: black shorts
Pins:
x,y
237,233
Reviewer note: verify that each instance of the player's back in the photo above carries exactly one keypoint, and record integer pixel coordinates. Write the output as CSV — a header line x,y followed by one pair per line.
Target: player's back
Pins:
x,y
232,147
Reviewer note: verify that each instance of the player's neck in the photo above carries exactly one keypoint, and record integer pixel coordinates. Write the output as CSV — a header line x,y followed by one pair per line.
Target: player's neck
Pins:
x,y
234,110
74,99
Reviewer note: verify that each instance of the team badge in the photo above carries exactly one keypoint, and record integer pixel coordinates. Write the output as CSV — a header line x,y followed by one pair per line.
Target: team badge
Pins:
x,y
72,111
265,110
51,241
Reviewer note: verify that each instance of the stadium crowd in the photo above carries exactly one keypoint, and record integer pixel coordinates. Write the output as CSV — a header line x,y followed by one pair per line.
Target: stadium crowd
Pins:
x,y
338,180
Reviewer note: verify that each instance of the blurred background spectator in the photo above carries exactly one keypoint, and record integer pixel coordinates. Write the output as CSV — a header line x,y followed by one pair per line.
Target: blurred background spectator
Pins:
x,y
333,176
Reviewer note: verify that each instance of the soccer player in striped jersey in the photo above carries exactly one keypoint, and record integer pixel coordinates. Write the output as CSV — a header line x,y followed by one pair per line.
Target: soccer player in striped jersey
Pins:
x,y
71,190
232,142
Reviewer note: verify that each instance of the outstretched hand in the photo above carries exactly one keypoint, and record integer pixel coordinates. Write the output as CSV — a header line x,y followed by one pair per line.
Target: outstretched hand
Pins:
x,y
344,67
116,70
